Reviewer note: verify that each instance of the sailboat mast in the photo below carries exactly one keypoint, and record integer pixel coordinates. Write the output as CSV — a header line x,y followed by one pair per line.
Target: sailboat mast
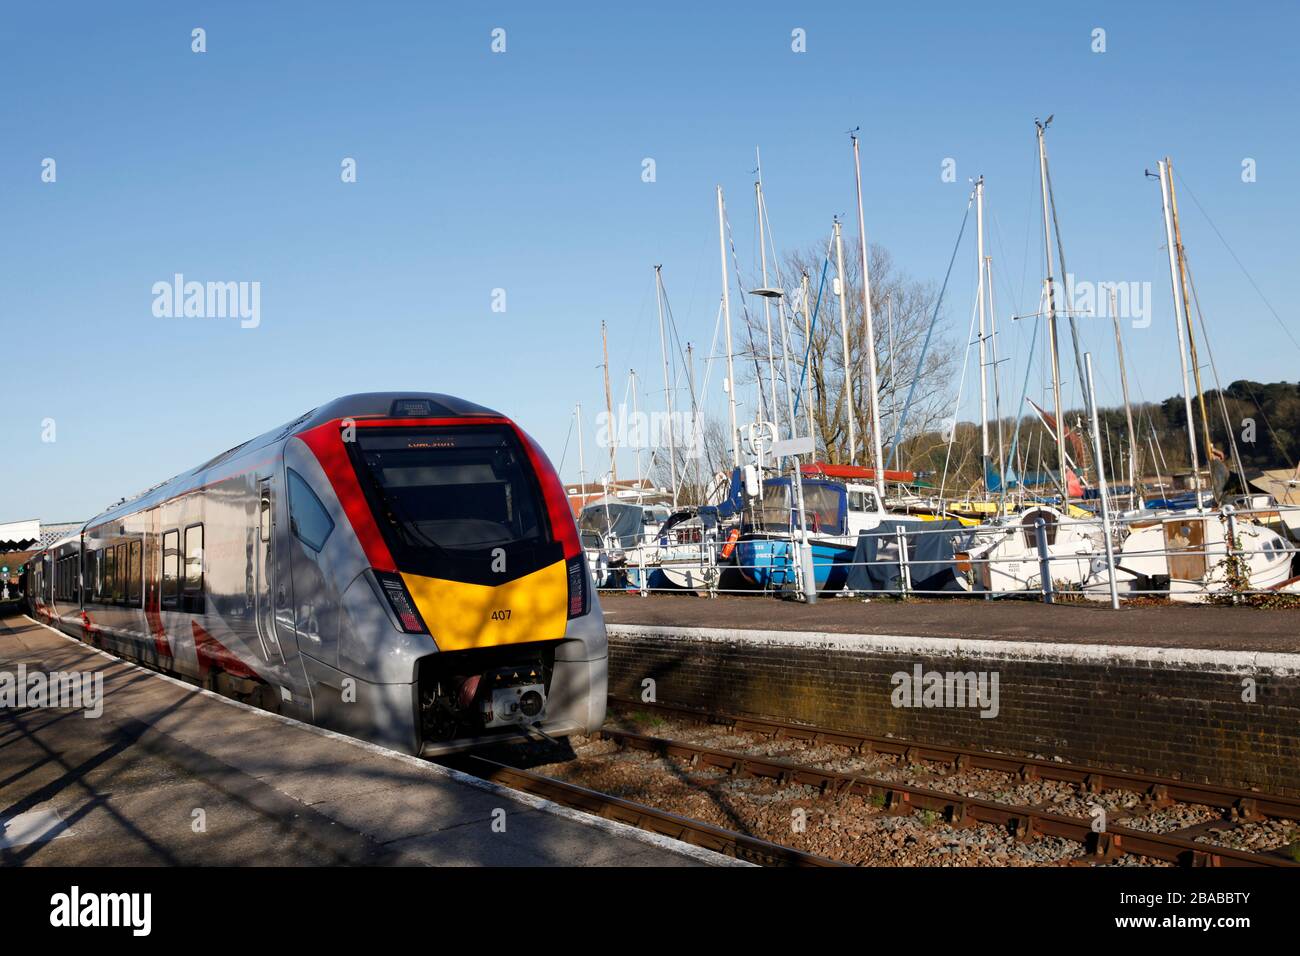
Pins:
x,y
695,434
873,407
582,462
997,391
1187,310
1180,308
1128,408
844,335
791,425
1051,312
807,372
609,408
893,375
668,388
636,419
984,395
726,311
767,306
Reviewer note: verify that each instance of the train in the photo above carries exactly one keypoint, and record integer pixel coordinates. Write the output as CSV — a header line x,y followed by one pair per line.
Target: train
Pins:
x,y
399,567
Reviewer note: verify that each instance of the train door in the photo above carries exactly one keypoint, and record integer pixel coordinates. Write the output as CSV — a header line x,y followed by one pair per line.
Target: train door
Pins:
x,y
316,605
280,580
265,598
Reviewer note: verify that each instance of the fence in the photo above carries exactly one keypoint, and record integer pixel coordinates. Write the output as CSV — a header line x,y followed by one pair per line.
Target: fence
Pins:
x,y
1226,555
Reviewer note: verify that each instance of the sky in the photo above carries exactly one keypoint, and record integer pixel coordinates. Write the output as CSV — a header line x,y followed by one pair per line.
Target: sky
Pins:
x,y
524,171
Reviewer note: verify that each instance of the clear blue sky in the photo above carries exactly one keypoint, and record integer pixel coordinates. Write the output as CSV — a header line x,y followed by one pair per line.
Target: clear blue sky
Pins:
x,y
522,171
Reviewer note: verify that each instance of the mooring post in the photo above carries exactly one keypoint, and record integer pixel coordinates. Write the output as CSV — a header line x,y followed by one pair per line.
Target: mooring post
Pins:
x,y
905,571
1044,560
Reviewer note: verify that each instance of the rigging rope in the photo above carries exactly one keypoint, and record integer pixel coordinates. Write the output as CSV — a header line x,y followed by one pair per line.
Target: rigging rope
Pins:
x,y
1238,261
1069,313
961,387
749,330
925,346
812,327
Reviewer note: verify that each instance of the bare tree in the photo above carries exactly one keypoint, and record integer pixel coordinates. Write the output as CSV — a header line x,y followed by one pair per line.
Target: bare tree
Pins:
x,y
911,303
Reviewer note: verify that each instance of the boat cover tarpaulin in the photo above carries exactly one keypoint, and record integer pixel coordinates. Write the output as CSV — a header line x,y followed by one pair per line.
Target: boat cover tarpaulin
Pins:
x,y
929,557
611,523
1282,483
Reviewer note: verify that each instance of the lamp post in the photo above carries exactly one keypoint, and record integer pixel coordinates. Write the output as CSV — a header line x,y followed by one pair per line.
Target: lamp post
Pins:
x,y
804,571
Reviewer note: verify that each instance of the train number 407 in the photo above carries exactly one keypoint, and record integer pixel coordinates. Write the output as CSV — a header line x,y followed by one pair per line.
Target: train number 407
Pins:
x,y
501,615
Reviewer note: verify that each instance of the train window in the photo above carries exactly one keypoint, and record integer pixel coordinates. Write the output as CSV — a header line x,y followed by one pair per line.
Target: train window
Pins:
x,y
133,585
192,585
92,576
171,568
466,489
308,519
119,583
264,515
110,574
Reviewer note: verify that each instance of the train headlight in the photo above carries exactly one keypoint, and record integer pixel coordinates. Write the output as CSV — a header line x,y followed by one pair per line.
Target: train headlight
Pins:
x,y
530,703
399,599
577,587
507,706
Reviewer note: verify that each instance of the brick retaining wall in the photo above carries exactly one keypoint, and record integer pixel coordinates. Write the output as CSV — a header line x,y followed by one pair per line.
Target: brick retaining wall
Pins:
x,y
1176,713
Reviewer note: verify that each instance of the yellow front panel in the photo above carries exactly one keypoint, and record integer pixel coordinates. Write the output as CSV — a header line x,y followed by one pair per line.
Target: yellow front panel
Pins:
x,y
465,616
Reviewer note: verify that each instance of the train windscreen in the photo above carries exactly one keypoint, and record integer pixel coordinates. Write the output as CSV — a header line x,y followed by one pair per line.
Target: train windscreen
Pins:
x,y
460,489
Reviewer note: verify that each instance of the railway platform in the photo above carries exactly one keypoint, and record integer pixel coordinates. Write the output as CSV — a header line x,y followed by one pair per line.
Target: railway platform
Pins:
x,y
1173,626
1208,694
168,773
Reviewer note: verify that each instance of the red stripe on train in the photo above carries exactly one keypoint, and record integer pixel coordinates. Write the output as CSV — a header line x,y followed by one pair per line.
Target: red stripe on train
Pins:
x,y
326,443
563,527
215,655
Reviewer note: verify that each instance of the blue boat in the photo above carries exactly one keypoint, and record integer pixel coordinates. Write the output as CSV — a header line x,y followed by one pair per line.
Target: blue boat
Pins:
x,y
765,552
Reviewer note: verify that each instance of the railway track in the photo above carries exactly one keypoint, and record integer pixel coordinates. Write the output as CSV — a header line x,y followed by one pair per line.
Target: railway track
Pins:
x,y
697,833
1234,807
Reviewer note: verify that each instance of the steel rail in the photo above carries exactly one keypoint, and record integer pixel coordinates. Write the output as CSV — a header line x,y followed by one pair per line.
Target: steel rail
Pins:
x,y
695,832
1025,822
1164,790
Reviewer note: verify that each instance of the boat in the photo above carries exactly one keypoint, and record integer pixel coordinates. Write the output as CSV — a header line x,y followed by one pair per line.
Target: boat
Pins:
x,y
848,525
766,549
1003,555
1186,555
618,536
688,551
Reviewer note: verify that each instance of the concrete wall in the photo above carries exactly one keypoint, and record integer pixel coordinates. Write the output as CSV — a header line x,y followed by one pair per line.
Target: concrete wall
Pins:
x,y
1173,712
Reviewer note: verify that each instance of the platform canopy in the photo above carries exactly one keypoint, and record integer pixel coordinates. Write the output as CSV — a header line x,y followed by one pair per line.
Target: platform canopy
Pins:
x,y
19,535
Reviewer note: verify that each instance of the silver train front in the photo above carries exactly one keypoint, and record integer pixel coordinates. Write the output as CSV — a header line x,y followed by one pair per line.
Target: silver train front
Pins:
x,y
278,573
